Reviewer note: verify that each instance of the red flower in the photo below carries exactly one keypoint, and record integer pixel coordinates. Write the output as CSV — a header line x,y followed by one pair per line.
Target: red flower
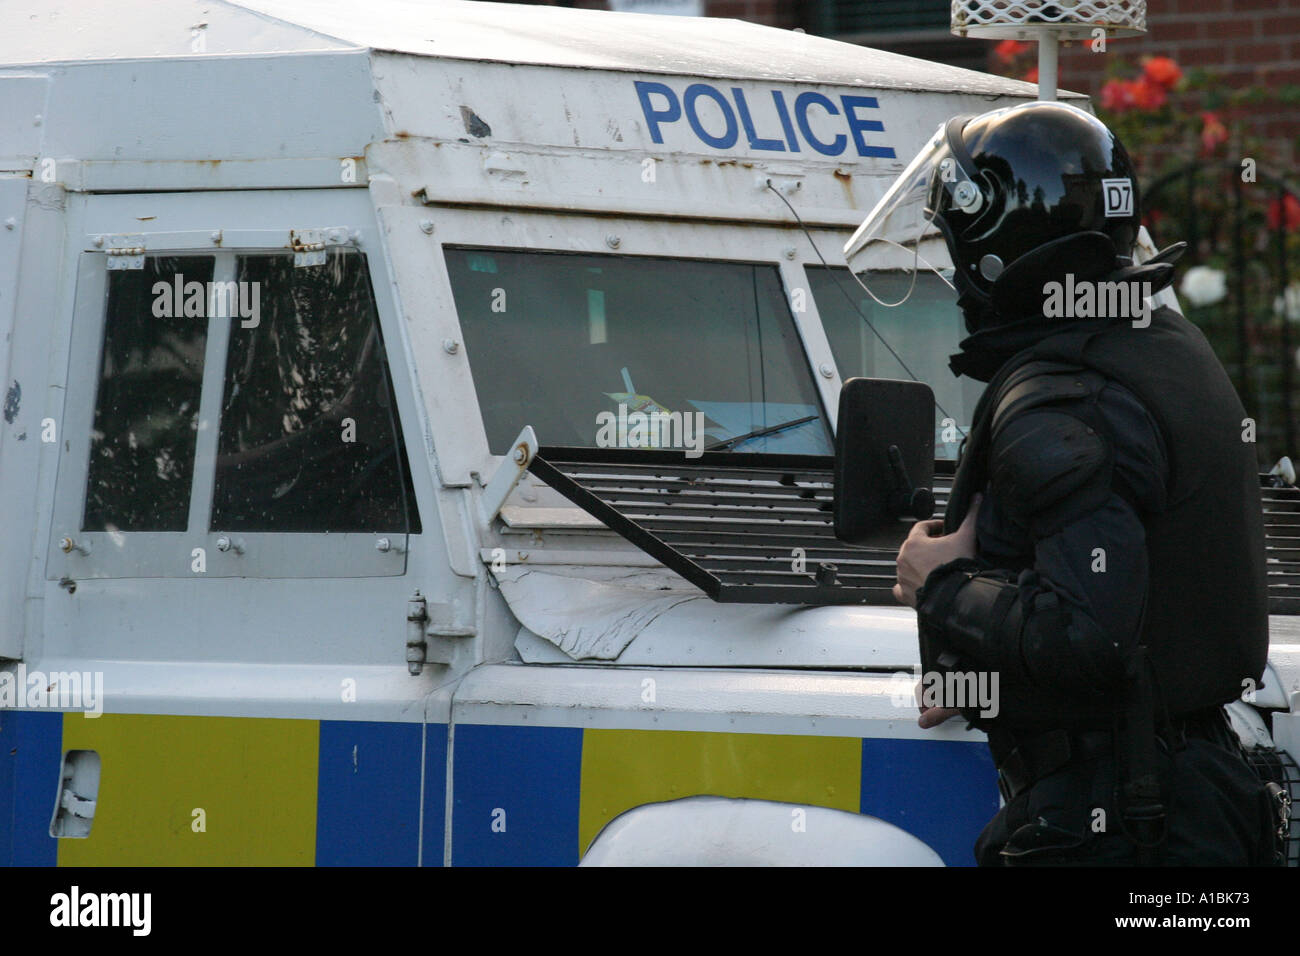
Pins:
x,y
1287,212
1148,95
1162,71
1213,132
1031,76
1117,96
1008,50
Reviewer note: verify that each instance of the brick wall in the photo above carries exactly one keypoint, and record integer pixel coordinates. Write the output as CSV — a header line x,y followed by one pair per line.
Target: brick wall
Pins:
x,y
1243,41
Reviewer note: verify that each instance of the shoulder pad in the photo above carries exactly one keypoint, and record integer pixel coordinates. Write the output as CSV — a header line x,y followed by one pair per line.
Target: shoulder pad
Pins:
x,y
1050,460
1043,383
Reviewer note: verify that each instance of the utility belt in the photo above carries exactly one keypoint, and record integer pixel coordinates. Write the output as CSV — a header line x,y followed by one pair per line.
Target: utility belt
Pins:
x,y
1024,760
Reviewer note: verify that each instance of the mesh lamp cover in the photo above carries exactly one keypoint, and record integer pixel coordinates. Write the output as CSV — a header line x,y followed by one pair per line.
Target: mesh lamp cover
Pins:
x,y
1031,19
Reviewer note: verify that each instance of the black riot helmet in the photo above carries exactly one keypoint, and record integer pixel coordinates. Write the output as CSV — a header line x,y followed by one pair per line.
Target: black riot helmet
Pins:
x,y
1021,196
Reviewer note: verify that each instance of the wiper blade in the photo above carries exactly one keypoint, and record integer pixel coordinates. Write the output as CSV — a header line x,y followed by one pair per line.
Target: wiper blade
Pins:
x,y
769,430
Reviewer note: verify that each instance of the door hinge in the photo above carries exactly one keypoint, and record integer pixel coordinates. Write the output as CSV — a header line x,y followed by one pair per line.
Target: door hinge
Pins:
x,y
124,252
420,626
417,647
309,245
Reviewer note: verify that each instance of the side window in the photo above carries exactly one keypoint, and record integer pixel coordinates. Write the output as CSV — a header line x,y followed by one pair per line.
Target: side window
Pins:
x,y
147,402
238,401
924,330
578,345
309,438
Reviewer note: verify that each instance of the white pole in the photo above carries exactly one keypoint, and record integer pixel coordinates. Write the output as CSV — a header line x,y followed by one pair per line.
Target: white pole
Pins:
x,y
1047,66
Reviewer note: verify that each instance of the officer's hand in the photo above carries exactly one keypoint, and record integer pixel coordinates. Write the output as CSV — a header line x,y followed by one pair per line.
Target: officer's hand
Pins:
x,y
931,716
926,548
934,716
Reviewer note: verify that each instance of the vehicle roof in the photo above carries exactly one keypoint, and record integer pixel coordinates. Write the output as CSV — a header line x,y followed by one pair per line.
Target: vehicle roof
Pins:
x,y
65,31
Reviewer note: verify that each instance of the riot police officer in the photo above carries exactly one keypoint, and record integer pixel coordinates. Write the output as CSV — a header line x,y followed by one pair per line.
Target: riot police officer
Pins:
x,y
1103,547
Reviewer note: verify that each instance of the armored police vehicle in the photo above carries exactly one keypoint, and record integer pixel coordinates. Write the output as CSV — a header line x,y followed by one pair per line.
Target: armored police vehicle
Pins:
x,y
417,442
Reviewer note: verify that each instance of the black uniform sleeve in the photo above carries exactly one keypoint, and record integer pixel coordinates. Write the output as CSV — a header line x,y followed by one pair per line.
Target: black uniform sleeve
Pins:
x,y
1055,594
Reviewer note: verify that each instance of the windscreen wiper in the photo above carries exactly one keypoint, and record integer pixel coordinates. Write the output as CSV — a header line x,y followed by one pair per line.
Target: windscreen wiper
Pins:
x,y
769,430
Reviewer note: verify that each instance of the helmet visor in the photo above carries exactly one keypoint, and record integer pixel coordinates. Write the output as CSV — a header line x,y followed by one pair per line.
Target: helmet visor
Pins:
x,y
901,235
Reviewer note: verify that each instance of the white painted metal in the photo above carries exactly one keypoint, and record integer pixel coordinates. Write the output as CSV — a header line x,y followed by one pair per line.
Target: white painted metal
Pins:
x,y
772,701
508,475
595,40
22,436
628,616
1286,730
1249,725
1048,58
718,831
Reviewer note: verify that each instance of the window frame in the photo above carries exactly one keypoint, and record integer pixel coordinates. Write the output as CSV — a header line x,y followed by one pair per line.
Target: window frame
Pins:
x,y
170,554
968,389
463,445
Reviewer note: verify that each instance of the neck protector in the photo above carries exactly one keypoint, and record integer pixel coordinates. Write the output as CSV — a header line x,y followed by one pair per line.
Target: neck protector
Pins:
x,y
998,336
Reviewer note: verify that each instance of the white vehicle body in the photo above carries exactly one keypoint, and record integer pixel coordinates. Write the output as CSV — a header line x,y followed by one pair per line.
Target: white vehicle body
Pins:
x,y
257,705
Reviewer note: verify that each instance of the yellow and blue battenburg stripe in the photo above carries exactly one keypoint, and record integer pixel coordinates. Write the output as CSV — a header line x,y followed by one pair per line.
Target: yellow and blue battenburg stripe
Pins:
x,y
275,791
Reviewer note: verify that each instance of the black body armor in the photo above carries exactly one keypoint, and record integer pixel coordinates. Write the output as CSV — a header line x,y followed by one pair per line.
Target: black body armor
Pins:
x,y
1118,590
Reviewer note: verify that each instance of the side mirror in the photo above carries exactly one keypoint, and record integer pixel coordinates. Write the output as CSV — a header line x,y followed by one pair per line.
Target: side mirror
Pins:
x,y
884,459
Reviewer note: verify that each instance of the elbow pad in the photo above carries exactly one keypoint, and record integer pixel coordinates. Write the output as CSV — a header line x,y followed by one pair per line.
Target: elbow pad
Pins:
x,y
984,616
977,614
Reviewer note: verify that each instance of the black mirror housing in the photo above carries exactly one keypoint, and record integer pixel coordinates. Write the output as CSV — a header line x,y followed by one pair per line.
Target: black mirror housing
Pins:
x,y
884,459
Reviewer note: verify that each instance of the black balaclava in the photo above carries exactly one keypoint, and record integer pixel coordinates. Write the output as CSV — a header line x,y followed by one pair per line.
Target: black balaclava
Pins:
x,y
996,336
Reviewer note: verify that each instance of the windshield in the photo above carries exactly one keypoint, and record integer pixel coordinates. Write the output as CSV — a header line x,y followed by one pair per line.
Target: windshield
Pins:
x,y
923,331
633,352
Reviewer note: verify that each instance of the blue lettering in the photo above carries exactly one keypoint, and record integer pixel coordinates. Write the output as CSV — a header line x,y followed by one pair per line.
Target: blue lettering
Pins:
x,y
661,106
693,93
784,114
801,104
857,126
772,145
654,117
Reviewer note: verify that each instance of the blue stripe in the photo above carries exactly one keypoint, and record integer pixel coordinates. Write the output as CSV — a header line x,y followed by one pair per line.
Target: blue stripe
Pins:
x,y
516,796
31,743
368,794
942,791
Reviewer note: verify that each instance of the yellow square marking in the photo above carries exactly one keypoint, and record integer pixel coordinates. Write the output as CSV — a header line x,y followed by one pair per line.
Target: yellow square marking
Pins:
x,y
622,769
253,778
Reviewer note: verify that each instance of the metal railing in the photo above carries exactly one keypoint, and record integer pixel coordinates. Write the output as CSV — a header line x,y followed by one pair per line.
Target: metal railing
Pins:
x,y
1226,222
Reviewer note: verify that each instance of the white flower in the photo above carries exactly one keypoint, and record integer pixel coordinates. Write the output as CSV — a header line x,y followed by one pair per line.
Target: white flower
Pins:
x,y
1204,286
1292,306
